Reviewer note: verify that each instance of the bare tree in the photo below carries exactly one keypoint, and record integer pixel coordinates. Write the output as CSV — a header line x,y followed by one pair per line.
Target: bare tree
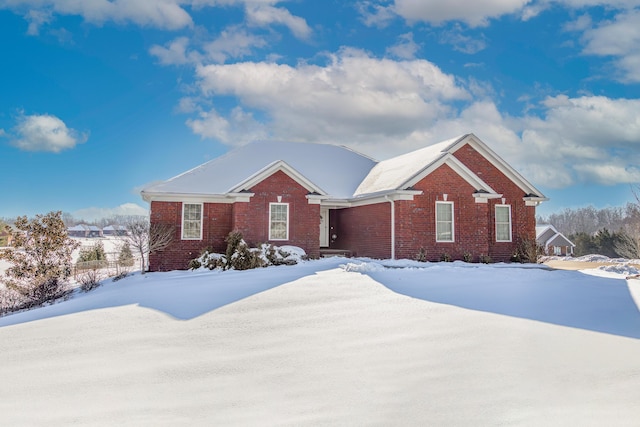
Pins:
x,y
629,245
148,238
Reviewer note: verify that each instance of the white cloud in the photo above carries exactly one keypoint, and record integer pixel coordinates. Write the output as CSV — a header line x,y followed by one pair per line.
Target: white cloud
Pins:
x,y
239,129
167,14
263,15
406,48
95,213
36,19
175,52
461,42
375,15
233,42
353,97
45,133
619,38
474,13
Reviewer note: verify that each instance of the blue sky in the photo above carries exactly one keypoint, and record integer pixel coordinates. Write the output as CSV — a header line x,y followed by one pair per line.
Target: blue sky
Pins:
x,y
100,98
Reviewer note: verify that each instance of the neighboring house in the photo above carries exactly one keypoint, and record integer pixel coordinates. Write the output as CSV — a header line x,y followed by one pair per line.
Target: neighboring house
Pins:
x,y
553,242
84,230
457,197
79,230
114,230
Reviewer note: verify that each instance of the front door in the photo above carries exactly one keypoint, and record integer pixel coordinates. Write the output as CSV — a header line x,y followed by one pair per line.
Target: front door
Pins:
x,y
324,227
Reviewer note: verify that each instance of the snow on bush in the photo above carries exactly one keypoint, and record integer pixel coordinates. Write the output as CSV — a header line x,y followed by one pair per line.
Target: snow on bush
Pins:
x,y
244,258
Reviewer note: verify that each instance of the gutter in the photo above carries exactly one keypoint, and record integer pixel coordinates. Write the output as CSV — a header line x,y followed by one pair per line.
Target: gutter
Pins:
x,y
393,227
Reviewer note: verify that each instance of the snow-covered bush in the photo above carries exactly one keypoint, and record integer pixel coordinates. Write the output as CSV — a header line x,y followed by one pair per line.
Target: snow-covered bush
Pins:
x,y
239,256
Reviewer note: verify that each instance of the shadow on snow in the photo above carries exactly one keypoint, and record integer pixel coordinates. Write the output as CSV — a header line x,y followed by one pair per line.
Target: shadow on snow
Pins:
x,y
182,295
566,298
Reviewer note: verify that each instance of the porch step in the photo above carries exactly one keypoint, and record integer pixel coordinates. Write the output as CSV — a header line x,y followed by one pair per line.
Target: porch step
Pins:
x,y
325,252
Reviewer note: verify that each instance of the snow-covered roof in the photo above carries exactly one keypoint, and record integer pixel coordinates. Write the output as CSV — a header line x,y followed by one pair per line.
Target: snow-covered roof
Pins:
x,y
331,171
391,174
335,169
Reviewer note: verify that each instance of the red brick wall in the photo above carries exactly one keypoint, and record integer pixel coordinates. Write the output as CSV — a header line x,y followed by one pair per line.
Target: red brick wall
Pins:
x,y
523,218
252,218
364,230
216,224
415,220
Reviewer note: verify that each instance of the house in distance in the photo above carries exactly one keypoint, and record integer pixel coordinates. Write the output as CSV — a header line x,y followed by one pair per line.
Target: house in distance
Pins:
x,y
456,197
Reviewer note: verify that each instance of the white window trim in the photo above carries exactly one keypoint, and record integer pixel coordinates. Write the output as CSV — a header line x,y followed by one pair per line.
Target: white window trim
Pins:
x,y
510,223
182,224
287,224
453,222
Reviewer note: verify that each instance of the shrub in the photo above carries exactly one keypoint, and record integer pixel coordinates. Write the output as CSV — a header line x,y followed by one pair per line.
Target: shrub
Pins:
x,y
43,263
422,255
93,253
89,280
445,257
484,259
467,257
527,250
125,257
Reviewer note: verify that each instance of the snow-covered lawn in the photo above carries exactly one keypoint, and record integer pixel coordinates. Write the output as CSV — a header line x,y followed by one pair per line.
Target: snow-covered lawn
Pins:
x,y
332,342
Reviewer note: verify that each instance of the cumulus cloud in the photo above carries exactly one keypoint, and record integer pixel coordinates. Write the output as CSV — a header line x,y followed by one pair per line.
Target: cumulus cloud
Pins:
x,y
263,15
353,94
167,14
618,38
474,13
45,133
95,213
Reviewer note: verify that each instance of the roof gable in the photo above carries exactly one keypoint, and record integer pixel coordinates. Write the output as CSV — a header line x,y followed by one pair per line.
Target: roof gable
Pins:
x,y
401,172
496,161
269,170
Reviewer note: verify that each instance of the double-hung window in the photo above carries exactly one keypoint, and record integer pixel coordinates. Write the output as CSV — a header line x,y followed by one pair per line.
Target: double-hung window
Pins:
x,y
278,221
444,222
503,223
191,221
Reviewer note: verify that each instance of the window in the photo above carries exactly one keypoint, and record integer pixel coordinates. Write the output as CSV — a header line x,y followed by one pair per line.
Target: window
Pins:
x,y
278,221
444,222
503,223
191,221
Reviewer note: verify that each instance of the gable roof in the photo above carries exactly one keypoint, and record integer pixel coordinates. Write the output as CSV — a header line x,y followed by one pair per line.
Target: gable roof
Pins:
x,y
330,170
403,171
547,235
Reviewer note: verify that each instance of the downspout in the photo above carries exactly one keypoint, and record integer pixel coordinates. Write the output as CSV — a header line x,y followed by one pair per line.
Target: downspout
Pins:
x,y
393,228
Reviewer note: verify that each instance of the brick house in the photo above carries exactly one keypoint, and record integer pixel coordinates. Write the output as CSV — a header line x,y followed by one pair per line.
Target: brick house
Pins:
x,y
456,197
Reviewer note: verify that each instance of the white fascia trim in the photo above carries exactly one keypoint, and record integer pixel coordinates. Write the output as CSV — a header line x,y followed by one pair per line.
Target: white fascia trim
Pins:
x,y
315,199
372,199
458,167
498,162
274,167
484,197
534,201
197,198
